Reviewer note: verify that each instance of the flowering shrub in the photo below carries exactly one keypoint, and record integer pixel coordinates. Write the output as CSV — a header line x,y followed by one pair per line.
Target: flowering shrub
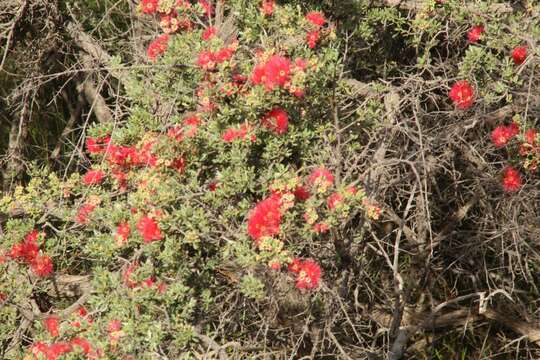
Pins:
x,y
169,197
276,169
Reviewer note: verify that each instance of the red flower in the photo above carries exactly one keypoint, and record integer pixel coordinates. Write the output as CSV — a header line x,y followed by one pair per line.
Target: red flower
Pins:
x,y
276,120
122,155
122,233
179,164
51,324
170,23
57,349
274,265
321,228
301,193
206,60
334,200
176,132
312,38
474,34
241,133
225,54
258,76
267,7
27,249
320,177
519,54
213,186
93,177
42,265
97,145
82,311
126,276
295,265
149,229
309,275
503,134
39,347
209,33
274,73
158,47
511,180
530,136
316,18
121,178
192,123
32,236
84,212
17,251
462,94
265,218
114,325
230,135
115,331
84,344
277,71
149,6
208,8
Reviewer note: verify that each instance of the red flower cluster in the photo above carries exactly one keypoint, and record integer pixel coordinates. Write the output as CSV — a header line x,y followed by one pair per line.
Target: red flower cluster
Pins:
x,y
52,351
83,313
93,177
42,265
28,251
209,33
232,134
474,34
334,200
301,193
321,228
189,128
511,181
531,136
316,18
122,233
208,8
51,324
83,344
276,120
149,6
503,134
149,229
158,47
321,178
462,94
267,7
84,212
97,145
179,164
55,350
170,23
519,54
308,273
312,38
276,72
128,156
209,59
265,218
